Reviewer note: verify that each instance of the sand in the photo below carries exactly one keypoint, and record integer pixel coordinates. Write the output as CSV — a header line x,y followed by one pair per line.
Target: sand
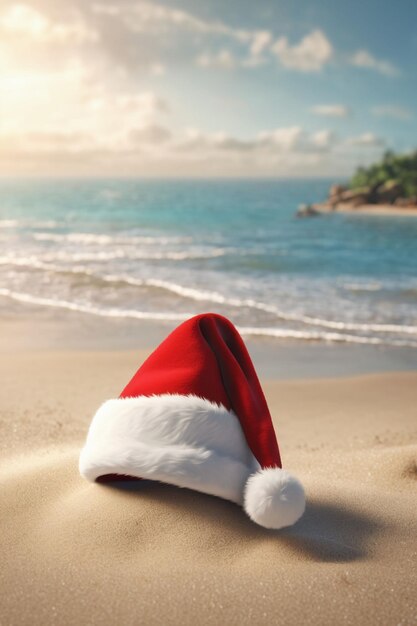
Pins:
x,y
366,209
77,553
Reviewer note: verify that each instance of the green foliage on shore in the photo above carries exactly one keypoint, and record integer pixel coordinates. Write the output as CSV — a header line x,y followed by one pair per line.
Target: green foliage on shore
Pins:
x,y
399,169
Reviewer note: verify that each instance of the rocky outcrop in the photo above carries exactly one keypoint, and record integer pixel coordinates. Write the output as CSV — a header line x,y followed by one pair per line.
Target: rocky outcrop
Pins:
x,y
335,191
307,210
353,197
385,193
341,198
406,202
388,192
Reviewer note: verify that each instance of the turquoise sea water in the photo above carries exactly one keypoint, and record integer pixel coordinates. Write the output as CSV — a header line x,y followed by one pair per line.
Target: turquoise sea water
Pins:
x,y
169,249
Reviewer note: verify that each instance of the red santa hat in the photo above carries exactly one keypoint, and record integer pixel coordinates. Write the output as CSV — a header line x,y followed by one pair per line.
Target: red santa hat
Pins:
x,y
194,415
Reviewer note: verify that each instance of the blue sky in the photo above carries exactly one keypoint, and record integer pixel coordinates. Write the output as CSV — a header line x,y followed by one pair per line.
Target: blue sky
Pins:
x,y
205,88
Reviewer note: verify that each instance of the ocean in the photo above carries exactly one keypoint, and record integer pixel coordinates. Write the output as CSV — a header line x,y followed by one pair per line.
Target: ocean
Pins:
x,y
168,249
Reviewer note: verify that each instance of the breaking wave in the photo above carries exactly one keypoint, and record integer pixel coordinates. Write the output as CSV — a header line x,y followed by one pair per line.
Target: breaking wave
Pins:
x,y
213,297
279,333
106,240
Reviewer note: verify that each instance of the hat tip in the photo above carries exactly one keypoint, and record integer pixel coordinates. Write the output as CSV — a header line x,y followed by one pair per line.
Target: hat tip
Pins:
x,y
274,498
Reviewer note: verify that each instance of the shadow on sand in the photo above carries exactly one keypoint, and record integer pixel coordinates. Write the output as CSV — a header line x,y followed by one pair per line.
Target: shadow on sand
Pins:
x,y
326,532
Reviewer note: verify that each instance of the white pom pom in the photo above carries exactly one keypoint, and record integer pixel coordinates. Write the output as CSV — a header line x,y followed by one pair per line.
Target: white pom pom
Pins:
x,y
273,498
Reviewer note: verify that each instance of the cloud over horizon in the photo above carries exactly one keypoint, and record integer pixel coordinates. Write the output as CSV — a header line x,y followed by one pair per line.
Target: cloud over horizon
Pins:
x,y
331,110
309,55
83,90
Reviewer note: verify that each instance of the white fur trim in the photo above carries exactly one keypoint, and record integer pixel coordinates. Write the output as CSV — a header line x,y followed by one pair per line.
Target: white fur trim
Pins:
x,y
274,498
189,442
183,440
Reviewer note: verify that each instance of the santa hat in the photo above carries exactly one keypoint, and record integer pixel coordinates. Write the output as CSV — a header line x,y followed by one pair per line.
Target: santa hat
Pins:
x,y
194,415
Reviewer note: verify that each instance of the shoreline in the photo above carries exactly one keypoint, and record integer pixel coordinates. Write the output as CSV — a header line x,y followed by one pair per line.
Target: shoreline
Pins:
x,y
274,358
363,209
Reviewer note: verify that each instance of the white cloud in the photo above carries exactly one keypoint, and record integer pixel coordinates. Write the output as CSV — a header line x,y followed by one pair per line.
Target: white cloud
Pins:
x,y
153,149
151,134
392,111
70,101
323,139
45,142
364,59
283,151
157,69
296,139
200,144
331,110
149,16
223,59
310,55
75,100
22,20
286,139
260,41
148,103
366,140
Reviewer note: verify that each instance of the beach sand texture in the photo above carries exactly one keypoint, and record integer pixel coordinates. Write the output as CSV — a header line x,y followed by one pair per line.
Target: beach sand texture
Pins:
x,y
78,553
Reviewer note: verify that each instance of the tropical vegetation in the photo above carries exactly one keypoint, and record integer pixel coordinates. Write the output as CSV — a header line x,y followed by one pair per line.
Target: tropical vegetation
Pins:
x,y
393,169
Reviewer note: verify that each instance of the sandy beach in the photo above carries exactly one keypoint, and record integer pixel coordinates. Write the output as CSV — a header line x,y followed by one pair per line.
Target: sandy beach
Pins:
x,y
154,160
387,210
80,553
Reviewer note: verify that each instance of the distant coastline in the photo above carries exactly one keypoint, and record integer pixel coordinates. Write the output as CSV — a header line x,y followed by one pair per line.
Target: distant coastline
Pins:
x,y
384,200
325,208
385,188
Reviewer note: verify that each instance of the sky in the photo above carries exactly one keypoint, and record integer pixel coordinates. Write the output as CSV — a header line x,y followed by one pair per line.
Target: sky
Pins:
x,y
205,88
